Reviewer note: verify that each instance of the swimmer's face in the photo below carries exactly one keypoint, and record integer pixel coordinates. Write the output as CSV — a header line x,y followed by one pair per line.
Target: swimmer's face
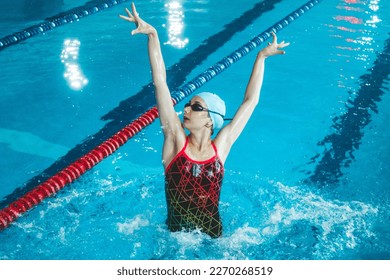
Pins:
x,y
195,114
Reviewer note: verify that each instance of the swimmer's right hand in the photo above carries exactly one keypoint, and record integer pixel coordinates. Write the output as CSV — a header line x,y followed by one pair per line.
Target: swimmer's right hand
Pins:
x,y
142,26
274,48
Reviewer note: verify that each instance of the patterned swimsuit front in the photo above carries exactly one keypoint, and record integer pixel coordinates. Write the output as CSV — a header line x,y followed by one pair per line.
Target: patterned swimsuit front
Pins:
x,y
192,191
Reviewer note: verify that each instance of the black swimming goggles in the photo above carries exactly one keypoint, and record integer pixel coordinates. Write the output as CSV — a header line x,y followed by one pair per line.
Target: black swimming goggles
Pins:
x,y
198,108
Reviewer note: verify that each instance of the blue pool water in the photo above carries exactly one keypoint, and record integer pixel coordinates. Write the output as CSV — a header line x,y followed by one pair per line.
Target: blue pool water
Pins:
x,y
308,179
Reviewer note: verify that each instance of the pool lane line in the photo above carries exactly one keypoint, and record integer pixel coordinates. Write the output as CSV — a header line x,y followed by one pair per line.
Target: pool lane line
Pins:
x,y
348,127
63,18
90,159
132,107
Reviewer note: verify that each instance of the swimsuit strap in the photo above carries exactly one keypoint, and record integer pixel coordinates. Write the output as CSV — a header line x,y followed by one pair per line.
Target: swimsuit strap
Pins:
x,y
177,155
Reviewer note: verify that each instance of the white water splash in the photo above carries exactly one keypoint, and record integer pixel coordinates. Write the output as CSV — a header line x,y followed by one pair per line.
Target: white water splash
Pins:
x,y
61,235
234,246
188,241
340,222
132,225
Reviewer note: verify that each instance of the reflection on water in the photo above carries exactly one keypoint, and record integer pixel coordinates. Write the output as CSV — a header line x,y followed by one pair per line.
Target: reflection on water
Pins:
x,y
355,48
373,21
175,25
374,5
69,57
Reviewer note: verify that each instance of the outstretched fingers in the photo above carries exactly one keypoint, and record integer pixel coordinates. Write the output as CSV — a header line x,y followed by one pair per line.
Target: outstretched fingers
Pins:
x,y
279,46
133,16
129,16
274,37
283,44
135,13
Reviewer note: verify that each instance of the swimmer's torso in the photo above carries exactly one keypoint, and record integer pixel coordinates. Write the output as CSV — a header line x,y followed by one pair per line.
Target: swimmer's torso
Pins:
x,y
192,191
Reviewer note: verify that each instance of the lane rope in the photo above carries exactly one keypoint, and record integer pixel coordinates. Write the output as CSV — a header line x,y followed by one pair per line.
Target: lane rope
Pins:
x,y
56,21
108,147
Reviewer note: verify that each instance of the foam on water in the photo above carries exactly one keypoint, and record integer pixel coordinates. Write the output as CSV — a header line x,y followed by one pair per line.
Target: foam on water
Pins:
x,y
131,225
333,225
123,212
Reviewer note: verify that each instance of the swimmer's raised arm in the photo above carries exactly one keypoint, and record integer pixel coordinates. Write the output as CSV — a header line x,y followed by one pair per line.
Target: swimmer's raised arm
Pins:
x,y
171,125
229,134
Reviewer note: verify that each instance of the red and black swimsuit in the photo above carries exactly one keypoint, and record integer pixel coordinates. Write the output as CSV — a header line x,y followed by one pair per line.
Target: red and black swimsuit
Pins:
x,y
192,191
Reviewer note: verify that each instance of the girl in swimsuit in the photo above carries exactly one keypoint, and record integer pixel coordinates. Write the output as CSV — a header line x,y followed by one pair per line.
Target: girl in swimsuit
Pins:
x,y
194,163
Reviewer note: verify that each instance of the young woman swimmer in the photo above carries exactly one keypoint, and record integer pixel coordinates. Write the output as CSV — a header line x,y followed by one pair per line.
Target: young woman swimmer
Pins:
x,y
194,163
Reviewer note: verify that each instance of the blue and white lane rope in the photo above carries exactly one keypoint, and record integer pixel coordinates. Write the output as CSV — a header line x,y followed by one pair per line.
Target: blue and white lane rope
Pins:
x,y
226,62
63,18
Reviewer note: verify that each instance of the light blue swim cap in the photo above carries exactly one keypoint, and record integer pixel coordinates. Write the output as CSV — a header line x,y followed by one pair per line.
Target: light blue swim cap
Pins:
x,y
216,104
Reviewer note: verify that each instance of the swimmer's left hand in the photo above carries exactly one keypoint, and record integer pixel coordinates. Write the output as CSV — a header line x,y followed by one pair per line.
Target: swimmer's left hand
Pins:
x,y
274,48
